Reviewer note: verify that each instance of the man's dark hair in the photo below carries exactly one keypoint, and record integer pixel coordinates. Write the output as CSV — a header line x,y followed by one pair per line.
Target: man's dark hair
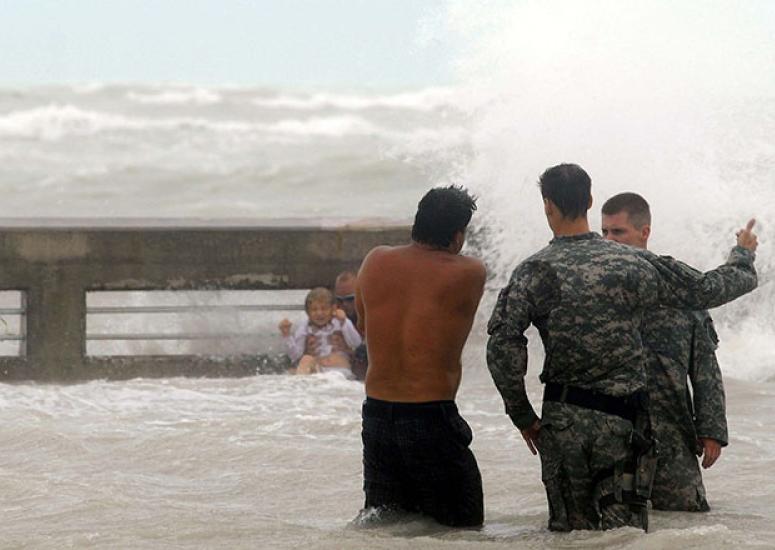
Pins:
x,y
636,207
568,186
441,213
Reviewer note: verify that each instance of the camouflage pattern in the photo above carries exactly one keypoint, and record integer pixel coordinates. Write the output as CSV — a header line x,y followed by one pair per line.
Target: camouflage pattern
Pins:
x,y
586,296
681,346
575,444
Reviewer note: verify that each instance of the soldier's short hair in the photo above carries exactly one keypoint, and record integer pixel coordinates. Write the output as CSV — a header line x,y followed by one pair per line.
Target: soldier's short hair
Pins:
x,y
568,186
636,207
441,213
318,294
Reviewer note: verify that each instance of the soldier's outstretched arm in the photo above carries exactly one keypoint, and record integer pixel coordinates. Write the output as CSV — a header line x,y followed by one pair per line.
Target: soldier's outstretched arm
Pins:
x,y
507,348
684,287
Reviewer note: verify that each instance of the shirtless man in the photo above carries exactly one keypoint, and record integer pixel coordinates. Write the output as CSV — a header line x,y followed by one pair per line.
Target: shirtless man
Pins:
x,y
416,304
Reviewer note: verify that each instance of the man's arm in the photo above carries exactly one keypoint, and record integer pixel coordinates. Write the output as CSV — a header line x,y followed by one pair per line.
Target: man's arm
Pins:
x,y
478,273
359,307
684,287
708,390
507,349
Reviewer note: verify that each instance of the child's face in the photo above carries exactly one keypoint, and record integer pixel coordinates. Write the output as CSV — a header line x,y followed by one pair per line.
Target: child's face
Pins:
x,y
320,313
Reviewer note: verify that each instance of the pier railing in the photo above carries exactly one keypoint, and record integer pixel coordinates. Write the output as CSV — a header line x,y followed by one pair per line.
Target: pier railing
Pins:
x,y
53,264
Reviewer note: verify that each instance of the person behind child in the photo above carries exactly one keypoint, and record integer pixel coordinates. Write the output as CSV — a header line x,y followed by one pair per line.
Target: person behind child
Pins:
x,y
344,293
323,320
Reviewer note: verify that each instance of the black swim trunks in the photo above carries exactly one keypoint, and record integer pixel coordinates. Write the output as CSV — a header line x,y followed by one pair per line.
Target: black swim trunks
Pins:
x,y
416,458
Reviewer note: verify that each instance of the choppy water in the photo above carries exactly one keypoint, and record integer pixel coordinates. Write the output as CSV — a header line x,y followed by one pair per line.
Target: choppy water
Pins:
x,y
274,462
666,99
166,150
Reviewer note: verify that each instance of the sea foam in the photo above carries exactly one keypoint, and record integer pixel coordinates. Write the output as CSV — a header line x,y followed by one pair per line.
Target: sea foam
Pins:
x,y
54,122
669,100
426,99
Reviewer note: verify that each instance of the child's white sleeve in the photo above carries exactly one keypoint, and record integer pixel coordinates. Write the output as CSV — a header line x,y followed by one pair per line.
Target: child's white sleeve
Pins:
x,y
351,335
296,342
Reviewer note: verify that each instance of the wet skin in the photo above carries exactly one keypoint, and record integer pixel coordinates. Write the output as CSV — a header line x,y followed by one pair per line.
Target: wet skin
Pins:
x,y
416,305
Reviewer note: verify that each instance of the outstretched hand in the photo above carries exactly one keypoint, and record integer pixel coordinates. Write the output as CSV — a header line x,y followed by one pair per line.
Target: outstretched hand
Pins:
x,y
530,435
746,237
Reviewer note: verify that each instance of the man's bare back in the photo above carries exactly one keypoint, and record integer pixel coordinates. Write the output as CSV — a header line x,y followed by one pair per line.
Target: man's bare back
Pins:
x,y
416,304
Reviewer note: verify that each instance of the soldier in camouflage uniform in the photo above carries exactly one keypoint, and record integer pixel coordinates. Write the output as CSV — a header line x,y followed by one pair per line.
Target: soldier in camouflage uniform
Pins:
x,y
586,296
679,344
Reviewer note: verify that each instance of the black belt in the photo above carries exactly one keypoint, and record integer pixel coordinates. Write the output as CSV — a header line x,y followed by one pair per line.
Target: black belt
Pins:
x,y
624,407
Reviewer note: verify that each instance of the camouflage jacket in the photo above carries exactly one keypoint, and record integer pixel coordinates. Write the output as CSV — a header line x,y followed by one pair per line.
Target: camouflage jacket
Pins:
x,y
681,345
586,296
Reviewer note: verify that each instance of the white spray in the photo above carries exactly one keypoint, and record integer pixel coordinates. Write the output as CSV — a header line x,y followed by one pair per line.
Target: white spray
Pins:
x,y
673,100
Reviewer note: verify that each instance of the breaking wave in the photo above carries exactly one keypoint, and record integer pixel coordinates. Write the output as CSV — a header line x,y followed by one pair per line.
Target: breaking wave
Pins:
x,y
55,122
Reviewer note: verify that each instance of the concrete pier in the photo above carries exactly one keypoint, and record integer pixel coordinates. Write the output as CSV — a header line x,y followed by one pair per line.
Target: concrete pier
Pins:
x,y
55,262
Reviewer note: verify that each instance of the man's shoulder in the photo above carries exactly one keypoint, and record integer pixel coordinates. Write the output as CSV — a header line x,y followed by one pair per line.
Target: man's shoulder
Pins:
x,y
598,248
383,249
626,260
545,255
625,252
384,253
474,266
553,254
453,268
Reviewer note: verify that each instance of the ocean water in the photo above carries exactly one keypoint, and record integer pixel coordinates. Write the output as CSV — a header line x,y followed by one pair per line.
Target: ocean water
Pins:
x,y
274,462
183,151
665,99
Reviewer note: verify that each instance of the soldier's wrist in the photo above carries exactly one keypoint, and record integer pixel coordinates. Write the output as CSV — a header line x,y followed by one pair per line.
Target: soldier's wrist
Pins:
x,y
745,252
720,440
523,420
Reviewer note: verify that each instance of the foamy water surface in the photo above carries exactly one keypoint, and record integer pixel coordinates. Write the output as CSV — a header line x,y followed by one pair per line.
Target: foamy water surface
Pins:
x,y
274,462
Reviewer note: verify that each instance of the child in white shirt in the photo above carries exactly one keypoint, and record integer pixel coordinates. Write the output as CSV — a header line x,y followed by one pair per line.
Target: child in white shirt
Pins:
x,y
309,343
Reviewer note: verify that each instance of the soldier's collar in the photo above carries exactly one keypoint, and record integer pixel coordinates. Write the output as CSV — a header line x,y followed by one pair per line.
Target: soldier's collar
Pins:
x,y
580,237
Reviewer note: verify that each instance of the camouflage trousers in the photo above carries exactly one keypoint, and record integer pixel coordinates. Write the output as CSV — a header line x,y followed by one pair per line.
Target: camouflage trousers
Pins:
x,y
578,448
678,481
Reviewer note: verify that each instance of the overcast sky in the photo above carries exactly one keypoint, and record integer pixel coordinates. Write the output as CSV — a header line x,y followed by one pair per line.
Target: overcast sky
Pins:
x,y
382,44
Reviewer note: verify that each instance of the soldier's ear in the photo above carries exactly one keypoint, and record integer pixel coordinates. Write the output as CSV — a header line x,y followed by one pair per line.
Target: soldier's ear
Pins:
x,y
548,207
590,202
645,232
